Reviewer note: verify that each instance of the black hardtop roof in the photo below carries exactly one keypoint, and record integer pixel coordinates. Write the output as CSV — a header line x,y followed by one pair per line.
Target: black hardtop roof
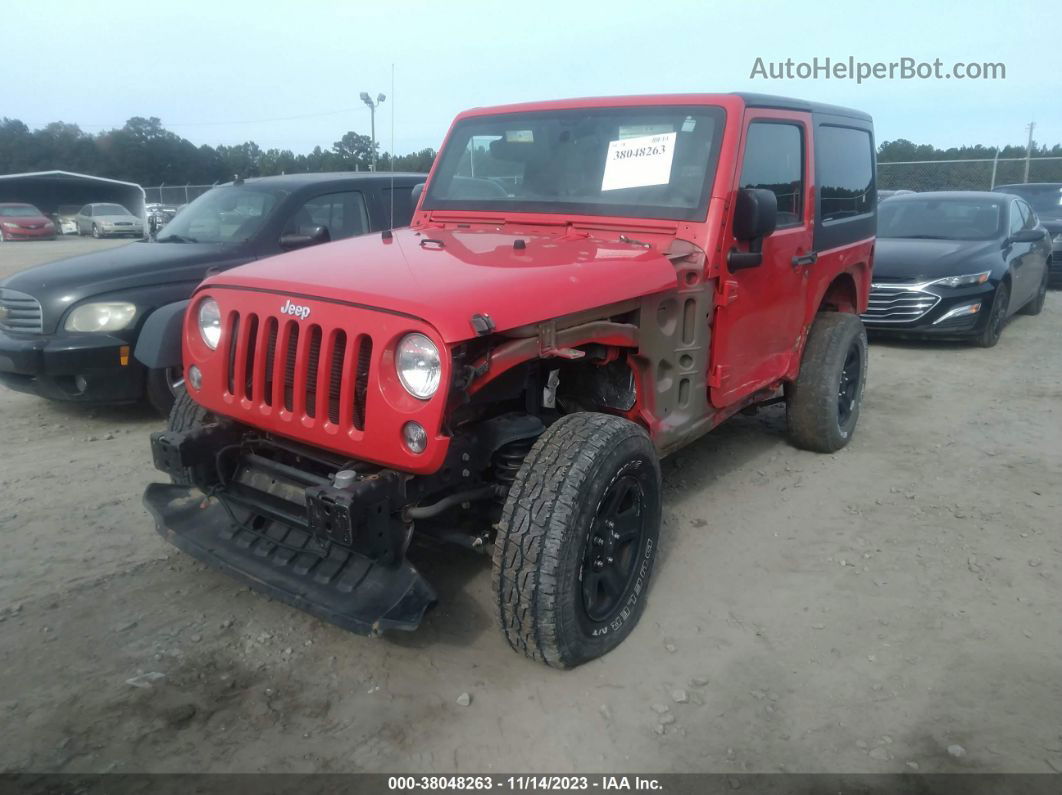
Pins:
x,y
788,103
294,181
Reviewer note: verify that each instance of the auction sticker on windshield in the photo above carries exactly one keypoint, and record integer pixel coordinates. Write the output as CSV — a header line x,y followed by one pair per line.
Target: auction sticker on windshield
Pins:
x,y
639,162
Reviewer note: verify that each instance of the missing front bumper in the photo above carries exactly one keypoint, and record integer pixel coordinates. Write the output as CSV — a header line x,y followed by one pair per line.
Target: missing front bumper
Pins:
x,y
289,564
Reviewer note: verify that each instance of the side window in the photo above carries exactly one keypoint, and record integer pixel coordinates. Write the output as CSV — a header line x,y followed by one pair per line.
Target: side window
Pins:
x,y
403,204
1016,220
845,170
774,161
343,213
1028,215
87,210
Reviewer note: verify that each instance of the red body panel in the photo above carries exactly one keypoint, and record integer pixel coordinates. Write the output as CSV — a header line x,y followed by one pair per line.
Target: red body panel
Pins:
x,y
471,272
26,227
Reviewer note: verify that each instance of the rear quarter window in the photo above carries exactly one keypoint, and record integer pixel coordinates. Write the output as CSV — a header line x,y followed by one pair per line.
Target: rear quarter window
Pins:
x,y
844,176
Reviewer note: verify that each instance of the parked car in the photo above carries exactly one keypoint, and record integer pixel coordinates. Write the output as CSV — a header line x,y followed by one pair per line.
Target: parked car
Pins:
x,y
158,215
888,194
957,264
507,373
108,220
65,218
24,222
67,328
1046,200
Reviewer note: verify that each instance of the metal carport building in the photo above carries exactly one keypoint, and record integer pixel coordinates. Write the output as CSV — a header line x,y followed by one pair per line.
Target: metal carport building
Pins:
x,y
47,190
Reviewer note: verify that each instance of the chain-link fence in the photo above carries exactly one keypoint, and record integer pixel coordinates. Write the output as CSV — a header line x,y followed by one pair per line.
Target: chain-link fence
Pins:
x,y
967,174
174,195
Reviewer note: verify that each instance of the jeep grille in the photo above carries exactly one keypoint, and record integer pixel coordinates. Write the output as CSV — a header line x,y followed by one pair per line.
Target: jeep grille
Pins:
x,y
309,370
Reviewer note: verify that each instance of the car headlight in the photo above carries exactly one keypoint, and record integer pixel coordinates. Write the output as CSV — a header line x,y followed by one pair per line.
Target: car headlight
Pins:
x,y
419,366
8,225
963,281
104,316
209,316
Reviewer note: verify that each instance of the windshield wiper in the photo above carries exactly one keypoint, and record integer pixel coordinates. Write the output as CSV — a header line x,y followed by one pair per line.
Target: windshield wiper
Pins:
x,y
176,239
927,237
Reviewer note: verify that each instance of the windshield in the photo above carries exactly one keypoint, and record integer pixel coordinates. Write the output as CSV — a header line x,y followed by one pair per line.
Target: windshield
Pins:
x,y
110,209
229,214
941,219
1045,199
647,162
20,211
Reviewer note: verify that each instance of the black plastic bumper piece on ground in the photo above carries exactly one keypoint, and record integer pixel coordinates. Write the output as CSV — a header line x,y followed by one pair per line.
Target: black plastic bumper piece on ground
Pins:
x,y
337,584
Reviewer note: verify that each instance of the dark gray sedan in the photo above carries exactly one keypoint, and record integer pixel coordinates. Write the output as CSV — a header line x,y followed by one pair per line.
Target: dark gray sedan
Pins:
x,y
956,264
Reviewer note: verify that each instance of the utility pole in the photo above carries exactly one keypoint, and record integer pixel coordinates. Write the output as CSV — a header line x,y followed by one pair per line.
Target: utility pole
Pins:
x,y
1028,149
372,120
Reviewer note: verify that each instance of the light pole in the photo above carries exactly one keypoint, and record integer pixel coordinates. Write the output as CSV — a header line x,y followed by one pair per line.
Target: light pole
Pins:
x,y
372,116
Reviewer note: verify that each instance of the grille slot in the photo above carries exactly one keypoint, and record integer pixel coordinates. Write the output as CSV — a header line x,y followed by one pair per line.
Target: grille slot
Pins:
x,y
21,312
335,376
361,380
289,365
898,304
270,360
312,366
249,361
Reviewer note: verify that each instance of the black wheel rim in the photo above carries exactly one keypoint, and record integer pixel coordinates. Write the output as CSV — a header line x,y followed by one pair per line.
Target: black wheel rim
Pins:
x,y
610,560
848,389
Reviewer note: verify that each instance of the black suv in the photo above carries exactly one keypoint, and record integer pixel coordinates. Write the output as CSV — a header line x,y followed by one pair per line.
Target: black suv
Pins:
x,y
68,328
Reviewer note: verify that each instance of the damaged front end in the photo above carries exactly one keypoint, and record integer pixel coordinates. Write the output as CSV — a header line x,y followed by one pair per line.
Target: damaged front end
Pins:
x,y
321,532
267,511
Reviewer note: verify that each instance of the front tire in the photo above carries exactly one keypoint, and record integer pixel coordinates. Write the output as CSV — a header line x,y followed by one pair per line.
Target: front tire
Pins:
x,y
162,386
577,540
96,232
185,415
997,317
822,405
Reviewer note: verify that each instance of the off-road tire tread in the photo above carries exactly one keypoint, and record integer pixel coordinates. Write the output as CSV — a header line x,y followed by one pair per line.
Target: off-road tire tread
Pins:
x,y
811,424
538,512
185,414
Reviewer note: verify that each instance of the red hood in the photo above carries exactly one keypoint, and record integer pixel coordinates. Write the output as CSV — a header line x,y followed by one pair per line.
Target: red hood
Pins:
x,y
472,272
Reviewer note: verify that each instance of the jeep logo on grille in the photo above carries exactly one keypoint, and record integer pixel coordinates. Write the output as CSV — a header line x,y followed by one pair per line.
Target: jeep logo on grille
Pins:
x,y
301,312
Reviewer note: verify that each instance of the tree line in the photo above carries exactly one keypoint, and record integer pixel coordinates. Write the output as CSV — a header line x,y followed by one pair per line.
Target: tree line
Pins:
x,y
145,152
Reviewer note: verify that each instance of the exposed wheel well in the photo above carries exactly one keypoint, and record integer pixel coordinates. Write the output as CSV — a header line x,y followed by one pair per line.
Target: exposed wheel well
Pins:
x,y
840,296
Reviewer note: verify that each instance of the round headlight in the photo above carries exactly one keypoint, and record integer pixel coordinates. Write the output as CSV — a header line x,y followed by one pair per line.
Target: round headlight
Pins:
x,y
210,322
104,316
419,366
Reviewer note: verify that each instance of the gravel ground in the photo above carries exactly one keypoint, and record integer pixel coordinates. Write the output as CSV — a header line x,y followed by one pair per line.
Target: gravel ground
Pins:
x,y
890,608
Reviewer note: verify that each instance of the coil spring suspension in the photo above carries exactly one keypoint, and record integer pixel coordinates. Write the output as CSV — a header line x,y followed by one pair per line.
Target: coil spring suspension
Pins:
x,y
508,459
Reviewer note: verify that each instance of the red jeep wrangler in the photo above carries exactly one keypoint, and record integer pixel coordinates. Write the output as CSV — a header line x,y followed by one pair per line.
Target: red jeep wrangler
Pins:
x,y
587,286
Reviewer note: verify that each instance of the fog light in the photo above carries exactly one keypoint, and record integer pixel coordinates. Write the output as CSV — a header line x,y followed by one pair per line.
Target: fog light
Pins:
x,y
81,383
415,437
195,377
967,309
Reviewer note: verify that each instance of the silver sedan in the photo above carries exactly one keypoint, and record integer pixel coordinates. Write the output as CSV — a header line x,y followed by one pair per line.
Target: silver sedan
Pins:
x,y
108,220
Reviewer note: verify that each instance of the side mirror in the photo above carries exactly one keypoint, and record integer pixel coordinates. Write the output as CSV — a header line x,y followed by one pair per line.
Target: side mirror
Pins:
x,y
317,234
755,217
1025,236
415,194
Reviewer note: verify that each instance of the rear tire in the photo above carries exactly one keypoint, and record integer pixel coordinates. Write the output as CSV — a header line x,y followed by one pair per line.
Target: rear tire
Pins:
x,y
822,405
577,540
185,415
1036,305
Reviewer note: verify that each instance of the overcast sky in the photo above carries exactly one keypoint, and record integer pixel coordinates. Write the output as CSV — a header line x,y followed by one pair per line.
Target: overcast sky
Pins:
x,y
225,71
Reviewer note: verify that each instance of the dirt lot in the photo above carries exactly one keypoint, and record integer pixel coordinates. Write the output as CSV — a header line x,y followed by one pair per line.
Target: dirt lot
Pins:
x,y
860,612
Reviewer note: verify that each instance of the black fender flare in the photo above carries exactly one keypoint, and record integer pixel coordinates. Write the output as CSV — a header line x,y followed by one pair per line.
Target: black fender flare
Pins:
x,y
159,344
